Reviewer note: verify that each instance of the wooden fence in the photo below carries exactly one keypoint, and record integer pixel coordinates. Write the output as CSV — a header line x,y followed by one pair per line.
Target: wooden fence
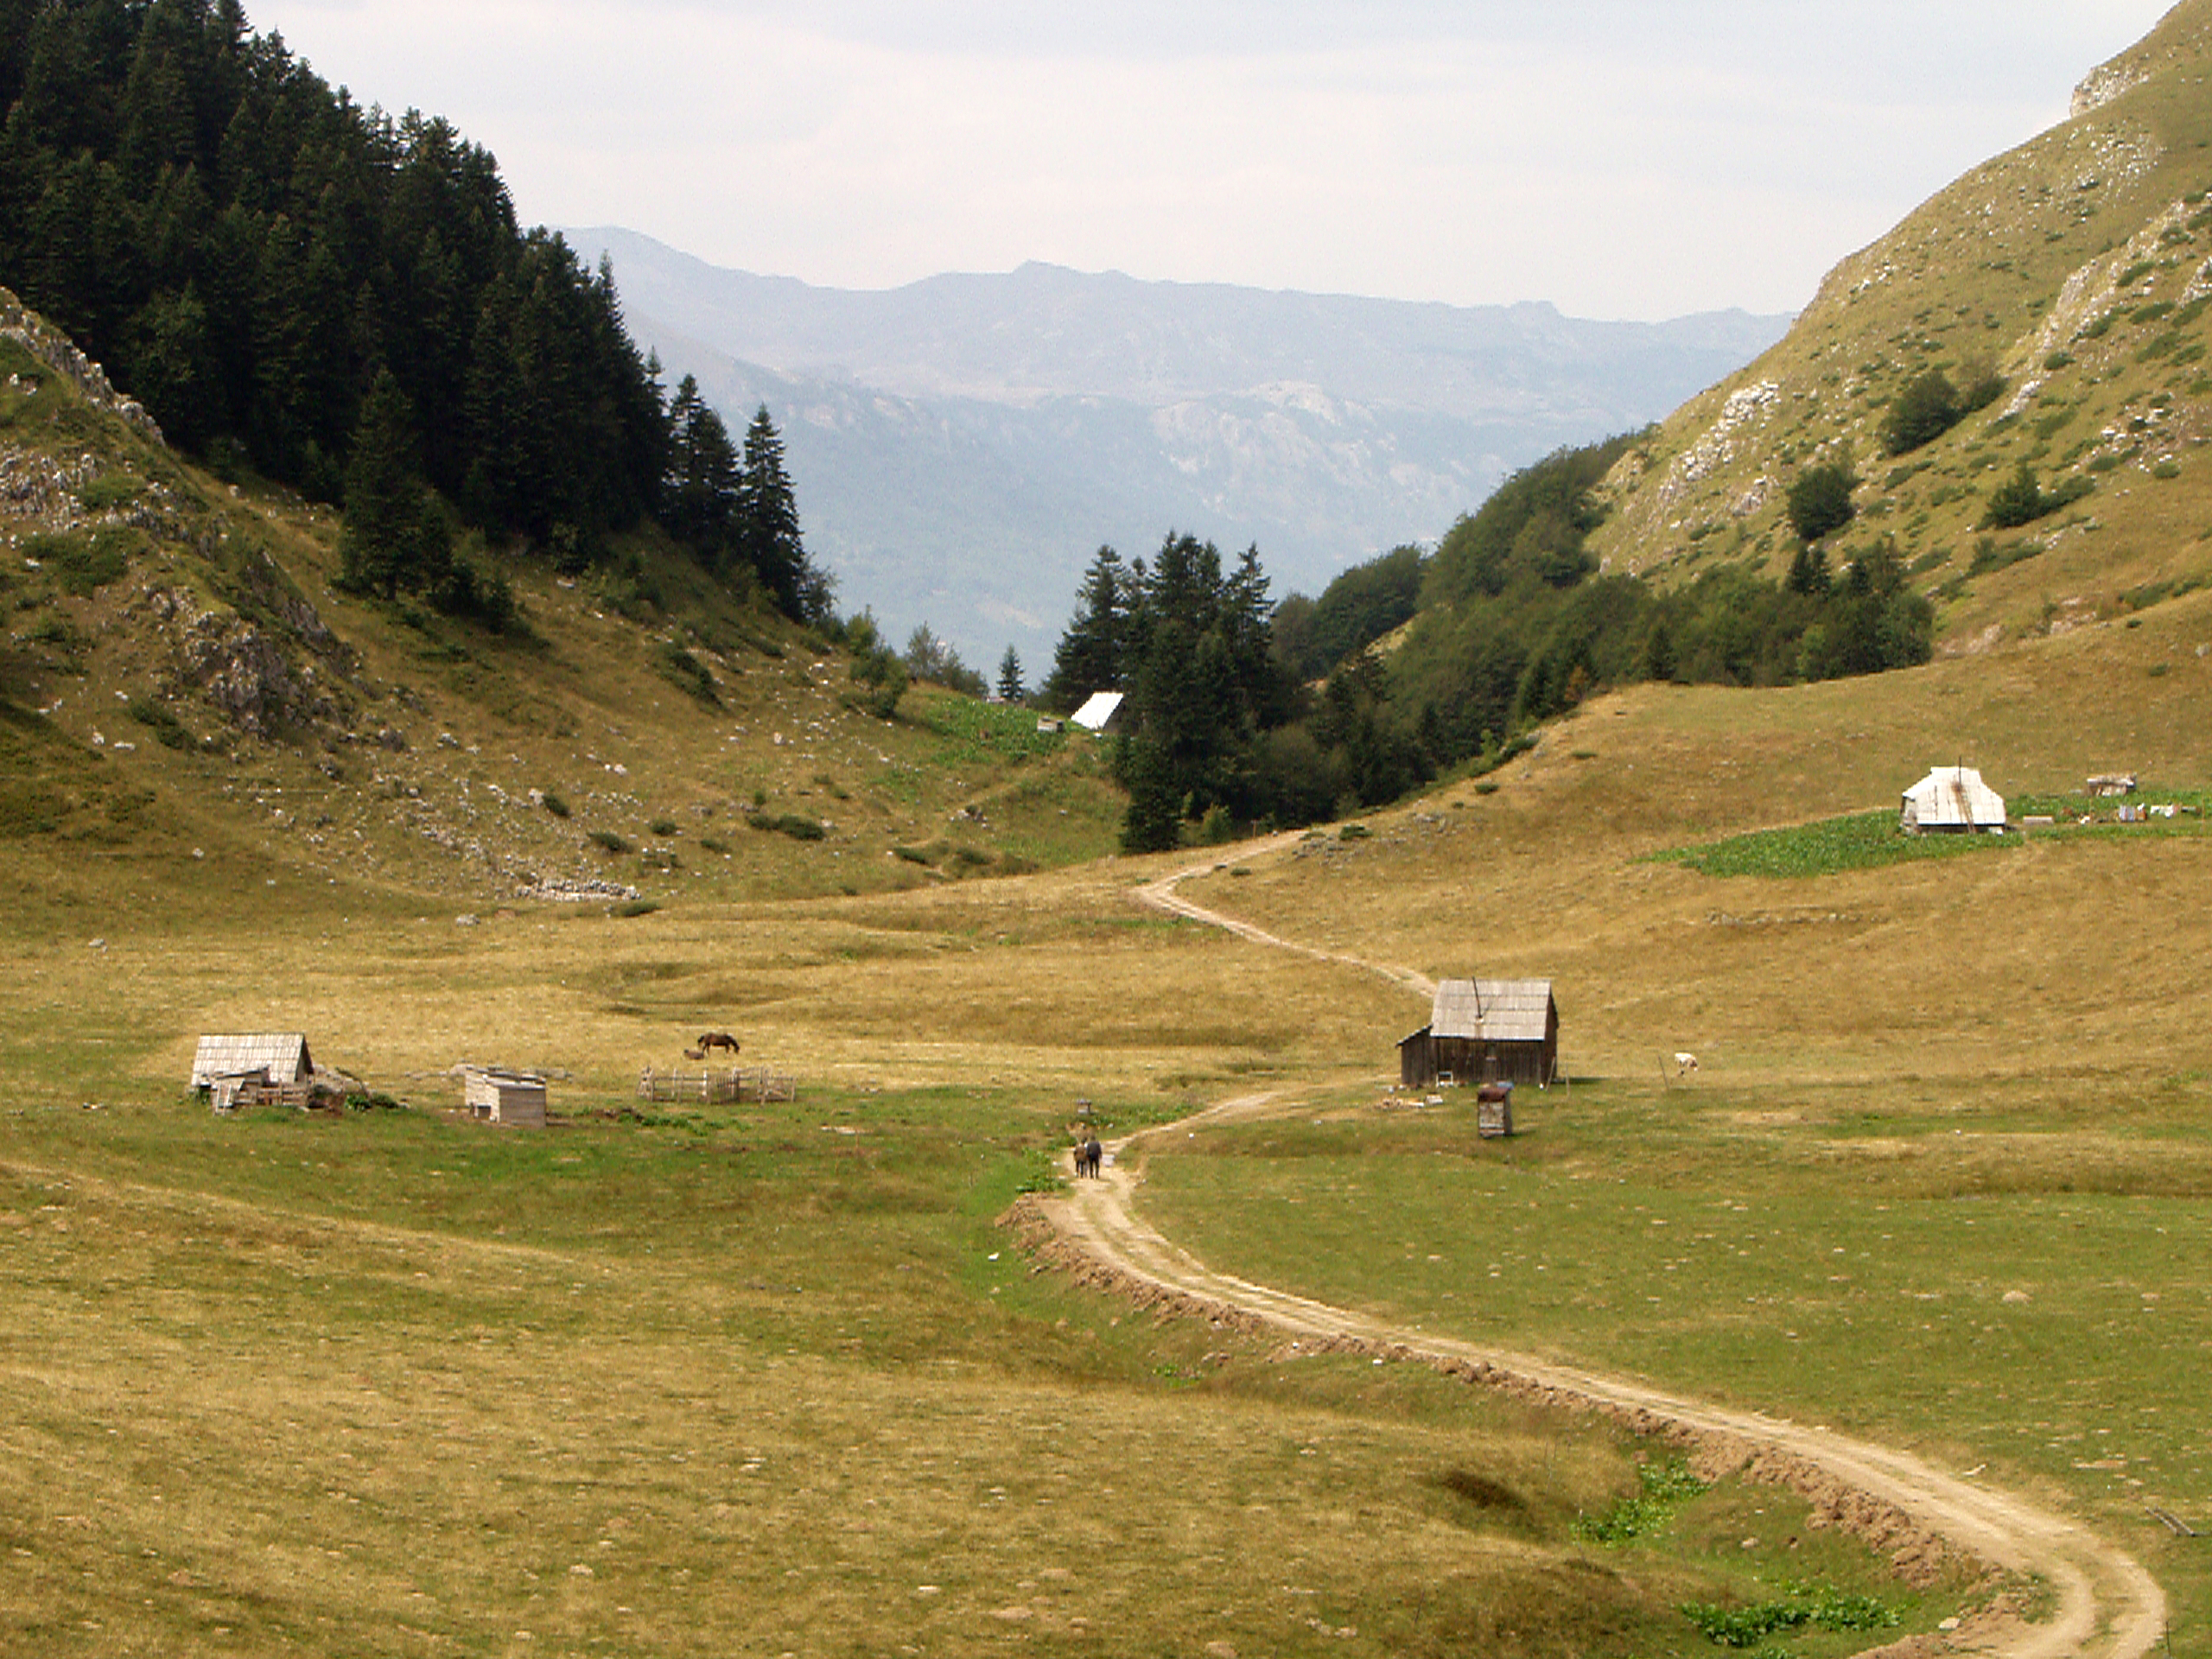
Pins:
x,y
713,1086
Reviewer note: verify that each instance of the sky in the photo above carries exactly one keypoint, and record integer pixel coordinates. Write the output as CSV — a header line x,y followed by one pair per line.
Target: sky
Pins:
x,y
1620,158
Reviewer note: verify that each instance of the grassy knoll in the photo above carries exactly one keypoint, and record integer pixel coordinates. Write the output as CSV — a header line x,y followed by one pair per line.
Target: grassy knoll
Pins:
x,y
2074,949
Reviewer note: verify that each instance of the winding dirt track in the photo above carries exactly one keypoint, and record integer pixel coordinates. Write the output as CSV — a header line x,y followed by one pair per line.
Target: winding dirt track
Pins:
x,y
2108,1607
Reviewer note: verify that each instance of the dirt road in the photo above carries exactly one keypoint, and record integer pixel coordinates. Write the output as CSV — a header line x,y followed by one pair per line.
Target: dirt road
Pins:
x,y
2107,1606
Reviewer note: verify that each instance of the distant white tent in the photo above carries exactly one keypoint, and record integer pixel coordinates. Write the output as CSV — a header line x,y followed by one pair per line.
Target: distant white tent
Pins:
x,y
1098,710
1953,799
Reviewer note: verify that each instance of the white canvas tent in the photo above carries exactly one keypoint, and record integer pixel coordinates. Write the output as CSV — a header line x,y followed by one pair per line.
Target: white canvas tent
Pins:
x,y
1098,710
1952,799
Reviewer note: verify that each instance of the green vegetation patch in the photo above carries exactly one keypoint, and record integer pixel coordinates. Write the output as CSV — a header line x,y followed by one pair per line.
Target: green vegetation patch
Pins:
x,y
86,563
161,721
1661,1489
108,491
1818,1607
1867,841
1862,841
688,674
978,732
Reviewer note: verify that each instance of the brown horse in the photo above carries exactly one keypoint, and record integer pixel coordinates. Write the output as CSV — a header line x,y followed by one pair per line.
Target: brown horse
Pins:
x,y
715,1039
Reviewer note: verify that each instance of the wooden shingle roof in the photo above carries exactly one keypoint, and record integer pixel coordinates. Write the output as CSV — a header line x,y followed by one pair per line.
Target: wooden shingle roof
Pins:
x,y
1493,1010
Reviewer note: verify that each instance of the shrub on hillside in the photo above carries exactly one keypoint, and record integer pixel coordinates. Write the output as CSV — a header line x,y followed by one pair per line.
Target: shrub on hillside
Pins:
x,y
877,669
787,823
2021,500
1820,501
157,718
688,674
1929,407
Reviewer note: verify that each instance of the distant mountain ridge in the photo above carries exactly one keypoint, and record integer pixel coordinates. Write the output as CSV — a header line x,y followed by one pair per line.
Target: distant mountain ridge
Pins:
x,y
963,444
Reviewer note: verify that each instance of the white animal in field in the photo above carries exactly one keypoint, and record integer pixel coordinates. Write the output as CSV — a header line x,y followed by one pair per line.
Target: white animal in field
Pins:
x,y
1684,1064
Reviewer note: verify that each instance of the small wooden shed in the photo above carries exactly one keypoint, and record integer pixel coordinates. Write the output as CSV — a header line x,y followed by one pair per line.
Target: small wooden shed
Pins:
x,y
497,1096
1485,1031
243,1067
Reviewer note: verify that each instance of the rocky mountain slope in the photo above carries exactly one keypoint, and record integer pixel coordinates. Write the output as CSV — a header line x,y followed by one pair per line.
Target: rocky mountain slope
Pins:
x,y
2076,270
967,442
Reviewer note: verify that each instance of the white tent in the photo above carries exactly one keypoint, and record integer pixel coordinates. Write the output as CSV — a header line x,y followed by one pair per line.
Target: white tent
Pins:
x,y
1097,710
1951,799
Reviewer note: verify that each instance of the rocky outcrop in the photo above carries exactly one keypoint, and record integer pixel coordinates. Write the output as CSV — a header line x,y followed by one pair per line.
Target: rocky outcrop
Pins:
x,y
244,672
2102,85
59,352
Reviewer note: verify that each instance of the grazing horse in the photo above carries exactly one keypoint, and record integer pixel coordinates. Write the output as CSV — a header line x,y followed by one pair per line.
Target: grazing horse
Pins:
x,y
1684,1064
715,1039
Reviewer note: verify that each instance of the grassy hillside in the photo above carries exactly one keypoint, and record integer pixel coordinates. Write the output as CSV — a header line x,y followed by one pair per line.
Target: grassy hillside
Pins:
x,y
2078,268
182,681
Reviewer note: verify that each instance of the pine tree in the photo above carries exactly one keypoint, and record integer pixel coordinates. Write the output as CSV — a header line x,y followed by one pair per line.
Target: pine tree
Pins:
x,y
394,537
703,489
1010,690
768,517
1809,571
1088,656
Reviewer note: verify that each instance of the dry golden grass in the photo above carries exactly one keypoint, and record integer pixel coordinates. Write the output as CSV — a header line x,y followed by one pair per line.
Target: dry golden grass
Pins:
x,y
2053,958
241,1303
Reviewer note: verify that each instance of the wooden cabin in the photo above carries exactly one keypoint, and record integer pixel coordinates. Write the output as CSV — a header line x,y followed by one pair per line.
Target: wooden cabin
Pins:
x,y
497,1097
246,1068
1485,1031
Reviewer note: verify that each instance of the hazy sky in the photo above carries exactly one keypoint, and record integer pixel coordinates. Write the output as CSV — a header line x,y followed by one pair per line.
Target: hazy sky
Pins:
x,y
1623,158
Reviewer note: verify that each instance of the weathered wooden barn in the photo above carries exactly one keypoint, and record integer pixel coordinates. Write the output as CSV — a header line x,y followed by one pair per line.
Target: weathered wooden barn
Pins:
x,y
1951,800
1485,1031
497,1096
247,1067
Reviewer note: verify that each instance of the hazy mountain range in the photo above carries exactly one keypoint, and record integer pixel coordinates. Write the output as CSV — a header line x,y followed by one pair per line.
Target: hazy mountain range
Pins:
x,y
963,445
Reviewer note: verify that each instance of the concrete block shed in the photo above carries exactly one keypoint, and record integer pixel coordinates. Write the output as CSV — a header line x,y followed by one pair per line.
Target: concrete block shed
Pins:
x,y
497,1096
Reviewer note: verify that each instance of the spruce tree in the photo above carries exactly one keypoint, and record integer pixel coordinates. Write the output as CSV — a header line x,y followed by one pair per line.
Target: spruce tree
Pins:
x,y
378,549
704,487
1088,656
769,517
1010,678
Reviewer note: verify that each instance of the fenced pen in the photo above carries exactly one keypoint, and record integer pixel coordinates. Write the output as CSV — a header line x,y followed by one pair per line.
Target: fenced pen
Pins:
x,y
716,1085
